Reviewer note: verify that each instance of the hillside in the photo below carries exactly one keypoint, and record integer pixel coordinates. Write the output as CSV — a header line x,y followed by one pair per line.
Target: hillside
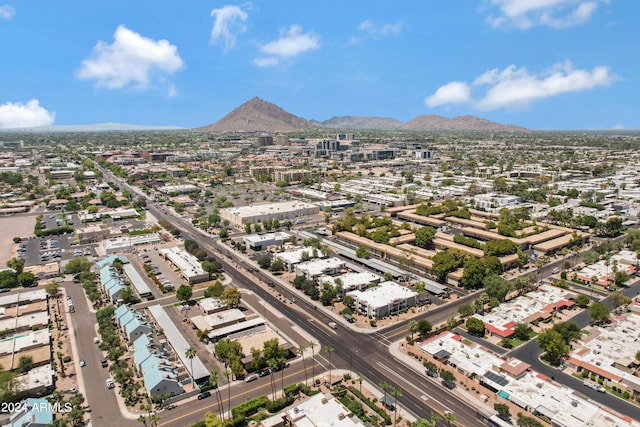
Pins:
x,y
258,115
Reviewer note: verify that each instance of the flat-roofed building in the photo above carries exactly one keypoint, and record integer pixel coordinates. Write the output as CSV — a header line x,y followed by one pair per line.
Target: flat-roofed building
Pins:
x,y
317,267
259,242
218,320
352,280
257,213
189,266
319,410
161,376
39,381
211,305
46,271
384,299
293,257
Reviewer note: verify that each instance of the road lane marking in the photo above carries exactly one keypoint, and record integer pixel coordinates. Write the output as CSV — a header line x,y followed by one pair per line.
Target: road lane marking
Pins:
x,y
402,379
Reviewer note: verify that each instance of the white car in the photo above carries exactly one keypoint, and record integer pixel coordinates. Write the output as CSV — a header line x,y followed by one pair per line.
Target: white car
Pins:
x,y
333,325
82,363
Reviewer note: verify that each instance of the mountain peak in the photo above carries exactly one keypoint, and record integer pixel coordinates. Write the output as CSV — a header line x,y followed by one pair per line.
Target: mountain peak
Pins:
x,y
258,115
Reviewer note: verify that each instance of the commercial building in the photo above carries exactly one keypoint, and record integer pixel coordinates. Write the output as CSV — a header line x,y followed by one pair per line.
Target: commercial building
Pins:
x,y
211,305
258,213
127,243
317,267
352,281
218,320
189,266
319,410
259,242
387,298
294,257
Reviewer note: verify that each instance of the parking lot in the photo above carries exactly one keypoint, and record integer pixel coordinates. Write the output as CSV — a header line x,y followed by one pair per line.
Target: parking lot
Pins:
x,y
43,250
10,227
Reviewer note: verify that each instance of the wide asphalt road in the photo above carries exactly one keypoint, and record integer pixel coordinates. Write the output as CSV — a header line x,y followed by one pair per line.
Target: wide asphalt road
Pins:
x,y
367,354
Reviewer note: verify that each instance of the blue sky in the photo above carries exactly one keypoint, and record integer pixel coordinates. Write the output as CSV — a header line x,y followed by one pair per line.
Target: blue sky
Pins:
x,y
541,64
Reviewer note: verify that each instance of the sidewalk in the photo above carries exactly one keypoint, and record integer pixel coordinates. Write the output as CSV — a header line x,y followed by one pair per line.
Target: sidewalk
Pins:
x,y
396,350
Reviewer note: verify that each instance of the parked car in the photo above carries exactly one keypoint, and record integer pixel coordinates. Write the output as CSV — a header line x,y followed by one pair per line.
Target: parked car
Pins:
x,y
250,378
104,362
82,363
204,395
110,383
264,373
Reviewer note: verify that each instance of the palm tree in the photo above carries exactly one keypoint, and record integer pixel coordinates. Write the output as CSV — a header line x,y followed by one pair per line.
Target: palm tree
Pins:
x,y
435,418
213,381
281,363
312,345
190,353
450,418
227,375
385,386
329,349
413,327
301,349
360,380
153,419
142,419
203,334
396,393
273,365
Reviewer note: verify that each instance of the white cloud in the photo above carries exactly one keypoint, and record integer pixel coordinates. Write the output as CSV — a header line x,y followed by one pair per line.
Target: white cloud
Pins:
x,y
7,12
368,30
227,25
524,14
516,87
31,114
290,44
265,62
451,93
172,91
131,58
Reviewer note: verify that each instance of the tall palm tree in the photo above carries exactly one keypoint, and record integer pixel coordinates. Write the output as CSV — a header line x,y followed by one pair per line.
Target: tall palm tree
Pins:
x,y
153,420
312,346
360,380
396,393
413,327
385,386
329,349
190,353
281,364
142,419
450,418
213,381
227,375
273,365
301,349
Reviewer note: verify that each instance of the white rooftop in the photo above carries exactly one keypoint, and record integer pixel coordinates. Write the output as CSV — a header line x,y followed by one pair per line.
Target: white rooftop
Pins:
x,y
383,294
352,280
294,256
321,410
316,267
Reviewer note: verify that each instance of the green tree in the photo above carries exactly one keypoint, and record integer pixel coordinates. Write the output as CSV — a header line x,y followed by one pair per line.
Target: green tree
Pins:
x,y
231,297
473,274
569,330
26,279
184,293
617,299
424,237
582,301
16,264
362,252
215,290
521,331
78,265
424,327
466,310
554,346
496,287
329,349
599,312
525,421
475,326
503,411
413,327
447,376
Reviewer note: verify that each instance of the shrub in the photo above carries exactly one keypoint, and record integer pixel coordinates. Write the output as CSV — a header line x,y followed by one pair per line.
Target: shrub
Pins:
x,y
66,359
626,395
250,407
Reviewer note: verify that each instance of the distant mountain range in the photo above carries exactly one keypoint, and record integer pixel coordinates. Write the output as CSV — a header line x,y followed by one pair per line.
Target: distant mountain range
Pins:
x,y
98,127
258,115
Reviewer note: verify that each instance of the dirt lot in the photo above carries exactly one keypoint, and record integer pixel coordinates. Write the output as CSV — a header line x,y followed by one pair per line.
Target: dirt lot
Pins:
x,y
10,227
